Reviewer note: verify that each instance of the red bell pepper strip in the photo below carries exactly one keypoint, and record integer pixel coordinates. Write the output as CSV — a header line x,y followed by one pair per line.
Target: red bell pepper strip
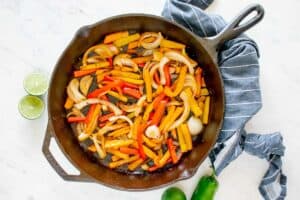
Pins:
x,y
141,64
104,89
167,75
172,150
123,83
132,92
158,99
110,61
156,167
76,119
90,113
106,117
156,78
159,113
140,134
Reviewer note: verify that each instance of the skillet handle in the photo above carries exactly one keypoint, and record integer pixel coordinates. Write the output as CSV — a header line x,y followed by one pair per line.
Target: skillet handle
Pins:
x,y
59,170
234,28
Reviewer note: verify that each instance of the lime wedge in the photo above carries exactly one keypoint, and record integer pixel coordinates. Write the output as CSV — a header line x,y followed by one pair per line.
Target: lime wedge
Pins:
x,y
31,107
36,84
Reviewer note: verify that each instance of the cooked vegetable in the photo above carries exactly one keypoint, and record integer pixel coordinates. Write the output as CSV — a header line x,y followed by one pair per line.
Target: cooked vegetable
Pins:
x,y
206,188
195,125
140,109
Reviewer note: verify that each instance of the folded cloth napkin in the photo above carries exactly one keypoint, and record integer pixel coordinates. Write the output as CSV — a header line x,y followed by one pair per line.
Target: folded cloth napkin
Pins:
x,y
238,64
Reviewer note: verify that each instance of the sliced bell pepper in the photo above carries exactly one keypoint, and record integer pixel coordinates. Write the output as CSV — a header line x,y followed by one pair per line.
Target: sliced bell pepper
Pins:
x,y
148,84
140,134
128,150
198,77
115,36
179,84
132,92
133,45
76,119
193,103
187,136
172,150
99,65
140,60
156,77
69,103
104,89
171,44
93,120
80,73
126,40
206,110
158,99
90,113
167,75
159,113
105,118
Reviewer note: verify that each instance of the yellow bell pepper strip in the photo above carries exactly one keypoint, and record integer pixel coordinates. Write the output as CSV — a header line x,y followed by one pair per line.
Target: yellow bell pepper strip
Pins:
x,y
159,90
92,148
171,44
137,121
131,115
204,92
98,148
104,89
182,144
190,82
133,45
187,136
198,77
126,40
132,166
140,60
206,110
166,118
133,81
118,96
164,159
158,114
193,103
117,143
99,65
174,134
179,84
118,73
149,142
115,36
120,132
140,135
148,86
69,103
157,56
186,112
118,163
147,112
115,158
173,117
150,153
172,150
117,153
123,84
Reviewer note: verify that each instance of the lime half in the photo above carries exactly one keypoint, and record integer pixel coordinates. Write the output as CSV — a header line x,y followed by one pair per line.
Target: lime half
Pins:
x,y
36,84
31,107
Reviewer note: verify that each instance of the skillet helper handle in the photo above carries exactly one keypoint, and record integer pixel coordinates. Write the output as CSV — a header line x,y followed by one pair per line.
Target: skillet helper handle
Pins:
x,y
234,28
55,165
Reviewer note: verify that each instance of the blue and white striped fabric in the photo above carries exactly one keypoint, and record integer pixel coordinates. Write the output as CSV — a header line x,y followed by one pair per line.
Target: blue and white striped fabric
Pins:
x,y
238,63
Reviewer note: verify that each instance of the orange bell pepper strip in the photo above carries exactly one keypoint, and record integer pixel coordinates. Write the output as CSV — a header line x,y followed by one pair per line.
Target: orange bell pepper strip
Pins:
x,y
179,84
76,119
128,150
104,89
159,113
140,134
132,92
172,150
158,99
198,77
156,78
90,113
115,36
80,73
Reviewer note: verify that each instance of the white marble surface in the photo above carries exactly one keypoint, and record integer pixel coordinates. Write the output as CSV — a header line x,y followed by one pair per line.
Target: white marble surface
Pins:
x,y
33,35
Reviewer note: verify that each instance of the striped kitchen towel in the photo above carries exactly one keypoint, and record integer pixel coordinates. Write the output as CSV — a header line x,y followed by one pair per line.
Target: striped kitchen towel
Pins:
x,y
239,66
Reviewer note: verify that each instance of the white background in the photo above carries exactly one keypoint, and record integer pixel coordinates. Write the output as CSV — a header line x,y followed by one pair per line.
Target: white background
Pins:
x,y
34,33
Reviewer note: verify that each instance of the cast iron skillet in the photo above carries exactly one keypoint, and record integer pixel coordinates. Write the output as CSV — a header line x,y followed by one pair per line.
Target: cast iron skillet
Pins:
x,y
203,50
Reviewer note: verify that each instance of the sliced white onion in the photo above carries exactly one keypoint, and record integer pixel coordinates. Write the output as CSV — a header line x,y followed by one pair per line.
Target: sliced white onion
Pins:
x,y
122,61
162,63
140,104
174,55
151,45
73,91
87,102
195,125
152,132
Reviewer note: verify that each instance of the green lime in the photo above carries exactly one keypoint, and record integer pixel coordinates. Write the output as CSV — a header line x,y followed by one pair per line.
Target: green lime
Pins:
x,y
36,84
173,193
31,107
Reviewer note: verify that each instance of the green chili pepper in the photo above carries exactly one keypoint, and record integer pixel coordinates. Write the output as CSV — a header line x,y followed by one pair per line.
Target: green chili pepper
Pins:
x,y
173,193
206,188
